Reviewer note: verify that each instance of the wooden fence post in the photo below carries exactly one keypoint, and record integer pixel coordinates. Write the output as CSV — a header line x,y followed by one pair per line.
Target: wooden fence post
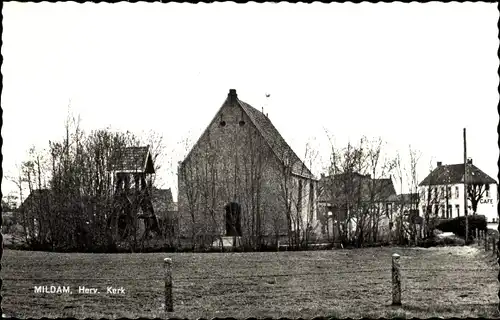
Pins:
x,y
396,281
169,304
486,243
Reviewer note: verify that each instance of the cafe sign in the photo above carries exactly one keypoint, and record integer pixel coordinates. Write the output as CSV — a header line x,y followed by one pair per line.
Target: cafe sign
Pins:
x,y
490,201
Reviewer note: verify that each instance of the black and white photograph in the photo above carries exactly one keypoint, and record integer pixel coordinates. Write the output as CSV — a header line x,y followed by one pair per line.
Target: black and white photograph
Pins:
x,y
253,160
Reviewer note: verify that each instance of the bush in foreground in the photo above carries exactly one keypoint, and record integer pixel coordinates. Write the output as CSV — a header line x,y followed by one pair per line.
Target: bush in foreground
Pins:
x,y
441,242
457,225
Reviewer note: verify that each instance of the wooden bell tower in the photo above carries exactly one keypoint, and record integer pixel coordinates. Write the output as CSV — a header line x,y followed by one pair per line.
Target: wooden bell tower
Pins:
x,y
132,168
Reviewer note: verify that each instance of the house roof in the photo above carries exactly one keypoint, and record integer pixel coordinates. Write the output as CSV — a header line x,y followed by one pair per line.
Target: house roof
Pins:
x,y
133,159
362,189
162,199
174,207
163,202
454,174
408,197
35,196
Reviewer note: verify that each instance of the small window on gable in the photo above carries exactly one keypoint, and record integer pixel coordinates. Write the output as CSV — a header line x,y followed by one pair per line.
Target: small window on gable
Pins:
x,y
242,122
222,123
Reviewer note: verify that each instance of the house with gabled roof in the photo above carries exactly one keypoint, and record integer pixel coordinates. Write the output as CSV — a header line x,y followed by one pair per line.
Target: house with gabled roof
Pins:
x,y
166,212
242,179
442,192
346,198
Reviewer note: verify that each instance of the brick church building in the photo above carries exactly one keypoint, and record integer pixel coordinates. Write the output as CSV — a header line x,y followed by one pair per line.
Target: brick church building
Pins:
x,y
241,179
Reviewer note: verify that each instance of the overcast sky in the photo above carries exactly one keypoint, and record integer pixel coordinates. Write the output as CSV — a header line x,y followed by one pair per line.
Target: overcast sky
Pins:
x,y
410,73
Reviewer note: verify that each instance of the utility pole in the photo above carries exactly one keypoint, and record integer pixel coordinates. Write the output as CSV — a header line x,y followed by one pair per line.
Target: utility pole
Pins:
x,y
465,190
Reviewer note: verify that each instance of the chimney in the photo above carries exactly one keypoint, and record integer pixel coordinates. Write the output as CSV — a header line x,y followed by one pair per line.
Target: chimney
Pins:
x,y
322,176
469,161
439,163
232,95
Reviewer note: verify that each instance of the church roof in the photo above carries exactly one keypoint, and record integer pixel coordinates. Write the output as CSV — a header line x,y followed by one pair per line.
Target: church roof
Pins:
x,y
271,135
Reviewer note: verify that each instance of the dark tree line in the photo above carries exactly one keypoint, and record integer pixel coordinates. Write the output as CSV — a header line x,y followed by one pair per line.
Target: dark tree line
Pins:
x,y
70,190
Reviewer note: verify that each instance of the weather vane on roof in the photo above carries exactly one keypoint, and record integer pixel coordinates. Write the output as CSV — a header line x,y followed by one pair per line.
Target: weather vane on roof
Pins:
x,y
267,96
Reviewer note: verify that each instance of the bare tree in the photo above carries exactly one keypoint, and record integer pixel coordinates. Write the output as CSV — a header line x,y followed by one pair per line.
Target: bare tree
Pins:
x,y
412,180
23,219
476,188
378,187
251,167
72,187
347,170
189,187
431,201
407,204
400,170
297,195
358,189
311,225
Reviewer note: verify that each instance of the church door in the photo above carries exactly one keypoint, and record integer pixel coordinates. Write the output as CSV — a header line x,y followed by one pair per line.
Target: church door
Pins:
x,y
233,219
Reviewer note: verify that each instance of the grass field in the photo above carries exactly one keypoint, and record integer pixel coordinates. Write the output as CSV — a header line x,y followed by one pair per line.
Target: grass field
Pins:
x,y
446,282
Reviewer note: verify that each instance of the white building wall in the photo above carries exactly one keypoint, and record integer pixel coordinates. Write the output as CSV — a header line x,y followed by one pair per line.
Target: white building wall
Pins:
x,y
487,205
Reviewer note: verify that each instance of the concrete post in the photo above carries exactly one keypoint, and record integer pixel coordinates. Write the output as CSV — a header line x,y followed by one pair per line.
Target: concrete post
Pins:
x,y
169,304
396,281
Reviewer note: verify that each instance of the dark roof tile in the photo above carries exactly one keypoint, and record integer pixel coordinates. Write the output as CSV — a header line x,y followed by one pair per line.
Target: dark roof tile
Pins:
x,y
132,159
162,201
408,197
362,188
454,174
272,136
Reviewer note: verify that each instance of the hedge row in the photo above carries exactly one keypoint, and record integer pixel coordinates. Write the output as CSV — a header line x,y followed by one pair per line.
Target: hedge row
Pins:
x,y
457,225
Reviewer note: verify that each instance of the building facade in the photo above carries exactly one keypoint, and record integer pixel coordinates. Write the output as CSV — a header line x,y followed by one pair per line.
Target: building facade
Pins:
x,y
442,192
351,199
242,179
